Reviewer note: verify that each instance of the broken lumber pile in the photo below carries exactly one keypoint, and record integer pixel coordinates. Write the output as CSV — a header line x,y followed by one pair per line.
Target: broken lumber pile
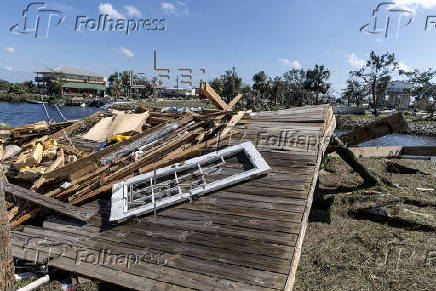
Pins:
x,y
207,91
85,159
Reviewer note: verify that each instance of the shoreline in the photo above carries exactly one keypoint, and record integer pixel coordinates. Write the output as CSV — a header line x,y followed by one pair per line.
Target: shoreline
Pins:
x,y
415,128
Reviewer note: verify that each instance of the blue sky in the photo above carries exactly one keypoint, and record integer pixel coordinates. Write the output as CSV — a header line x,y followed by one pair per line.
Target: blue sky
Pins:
x,y
251,35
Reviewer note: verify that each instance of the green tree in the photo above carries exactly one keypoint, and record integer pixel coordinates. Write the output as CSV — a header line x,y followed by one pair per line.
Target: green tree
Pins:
x,y
54,87
262,84
355,92
316,81
424,87
119,83
217,85
374,72
28,86
278,88
295,89
4,85
232,84
16,89
227,85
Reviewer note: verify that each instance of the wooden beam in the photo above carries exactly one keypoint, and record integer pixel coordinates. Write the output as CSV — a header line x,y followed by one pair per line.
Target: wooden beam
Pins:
x,y
59,162
352,161
49,203
7,273
393,124
427,151
207,91
93,158
234,102
75,126
233,121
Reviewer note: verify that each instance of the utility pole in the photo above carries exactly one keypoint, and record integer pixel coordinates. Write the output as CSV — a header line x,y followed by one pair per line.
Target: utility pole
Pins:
x,y
7,271
177,87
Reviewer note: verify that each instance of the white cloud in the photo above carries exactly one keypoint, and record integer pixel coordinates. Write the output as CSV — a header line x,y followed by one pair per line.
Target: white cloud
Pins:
x,y
415,4
354,61
7,68
133,11
178,9
289,63
110,11
9,49
126,52
402,66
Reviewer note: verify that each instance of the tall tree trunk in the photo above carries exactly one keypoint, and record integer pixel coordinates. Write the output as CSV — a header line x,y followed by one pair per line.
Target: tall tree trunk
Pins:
x,y
432,109
374,99
317,97
7,272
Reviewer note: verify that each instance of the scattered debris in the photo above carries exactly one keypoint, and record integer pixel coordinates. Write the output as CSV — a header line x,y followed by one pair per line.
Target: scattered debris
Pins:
x,y
396,168
11,151
50,203
425,189
34,285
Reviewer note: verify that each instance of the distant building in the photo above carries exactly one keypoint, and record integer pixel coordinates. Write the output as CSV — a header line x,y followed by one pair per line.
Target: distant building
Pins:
x,y
174,92
399,94
75,81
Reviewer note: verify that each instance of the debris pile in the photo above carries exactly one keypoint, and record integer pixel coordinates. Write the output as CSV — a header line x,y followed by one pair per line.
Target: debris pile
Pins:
x,y
84,159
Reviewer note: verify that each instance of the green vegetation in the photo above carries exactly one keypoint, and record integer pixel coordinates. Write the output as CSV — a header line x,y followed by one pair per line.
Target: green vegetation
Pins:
x,y
409,118
26,97
296,87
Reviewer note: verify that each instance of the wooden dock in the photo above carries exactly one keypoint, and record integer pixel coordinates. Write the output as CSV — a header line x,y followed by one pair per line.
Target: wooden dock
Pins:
x,y
246,237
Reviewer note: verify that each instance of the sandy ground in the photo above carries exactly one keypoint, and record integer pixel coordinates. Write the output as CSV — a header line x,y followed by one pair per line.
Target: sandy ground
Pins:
x,y
379,238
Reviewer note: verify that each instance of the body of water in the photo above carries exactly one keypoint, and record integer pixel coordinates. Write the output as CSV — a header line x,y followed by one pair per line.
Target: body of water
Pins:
x,y
17,114
397,140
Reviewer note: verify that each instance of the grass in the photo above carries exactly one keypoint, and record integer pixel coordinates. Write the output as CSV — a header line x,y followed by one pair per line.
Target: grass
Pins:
x,y
409,118
346,251
25,97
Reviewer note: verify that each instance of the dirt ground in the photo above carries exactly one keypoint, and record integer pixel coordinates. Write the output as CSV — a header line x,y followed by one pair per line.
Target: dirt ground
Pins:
x,y
378,238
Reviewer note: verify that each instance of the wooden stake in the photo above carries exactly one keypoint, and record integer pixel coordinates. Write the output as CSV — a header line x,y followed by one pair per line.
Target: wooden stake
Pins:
x,y
352,161
7,270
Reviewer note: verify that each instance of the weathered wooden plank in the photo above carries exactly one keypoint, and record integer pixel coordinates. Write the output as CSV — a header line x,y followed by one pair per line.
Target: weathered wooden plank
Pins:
x,y
243,211
49,203
167,249
179,264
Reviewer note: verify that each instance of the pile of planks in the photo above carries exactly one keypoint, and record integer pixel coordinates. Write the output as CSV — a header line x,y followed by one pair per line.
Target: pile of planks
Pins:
x,y
64,166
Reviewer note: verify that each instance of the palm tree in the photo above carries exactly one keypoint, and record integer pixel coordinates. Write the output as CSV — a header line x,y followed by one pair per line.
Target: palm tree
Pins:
x,y
317,81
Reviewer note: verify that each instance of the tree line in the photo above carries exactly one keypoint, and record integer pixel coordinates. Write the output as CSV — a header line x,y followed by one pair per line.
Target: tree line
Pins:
x,y
296,87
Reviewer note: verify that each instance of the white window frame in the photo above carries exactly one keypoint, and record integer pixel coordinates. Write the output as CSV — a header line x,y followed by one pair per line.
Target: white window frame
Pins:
x,y
120,192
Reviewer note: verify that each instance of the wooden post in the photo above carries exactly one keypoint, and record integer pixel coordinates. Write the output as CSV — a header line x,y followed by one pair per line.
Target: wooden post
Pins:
x,y
379,128
352,161
7,272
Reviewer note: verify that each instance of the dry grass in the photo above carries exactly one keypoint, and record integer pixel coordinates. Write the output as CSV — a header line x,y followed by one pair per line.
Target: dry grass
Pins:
x,y
348,249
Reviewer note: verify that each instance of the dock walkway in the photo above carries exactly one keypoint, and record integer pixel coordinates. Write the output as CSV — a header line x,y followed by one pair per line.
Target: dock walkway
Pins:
x,y
246,237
